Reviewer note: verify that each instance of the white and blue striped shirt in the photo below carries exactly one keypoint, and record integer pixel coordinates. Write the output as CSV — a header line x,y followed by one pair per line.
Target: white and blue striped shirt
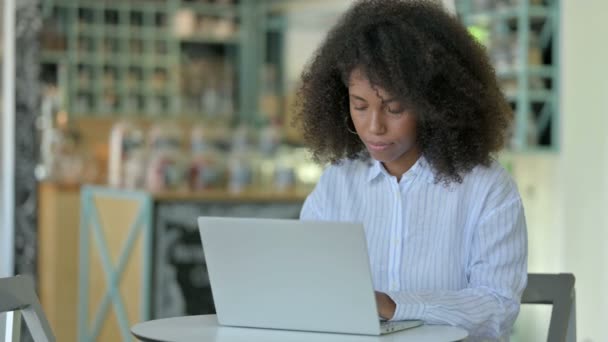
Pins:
x,y
453,254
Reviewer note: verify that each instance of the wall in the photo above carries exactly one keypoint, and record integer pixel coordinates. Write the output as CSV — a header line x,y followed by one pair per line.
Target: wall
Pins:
x,y
538,181
566,194
583,163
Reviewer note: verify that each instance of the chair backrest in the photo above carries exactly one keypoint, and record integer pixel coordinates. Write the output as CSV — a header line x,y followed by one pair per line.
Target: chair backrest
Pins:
x,y
557,290
17,296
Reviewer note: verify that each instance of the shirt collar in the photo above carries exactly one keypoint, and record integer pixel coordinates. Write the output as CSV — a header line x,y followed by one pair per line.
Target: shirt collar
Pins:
x,y
421,169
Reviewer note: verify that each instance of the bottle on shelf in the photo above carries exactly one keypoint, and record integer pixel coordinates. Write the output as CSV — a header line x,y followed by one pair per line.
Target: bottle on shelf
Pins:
x,y
285,172
126,139
206,167
167,165
240,161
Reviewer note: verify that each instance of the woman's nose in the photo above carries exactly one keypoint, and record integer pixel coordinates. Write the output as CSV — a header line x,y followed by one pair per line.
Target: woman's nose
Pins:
x,y
376,124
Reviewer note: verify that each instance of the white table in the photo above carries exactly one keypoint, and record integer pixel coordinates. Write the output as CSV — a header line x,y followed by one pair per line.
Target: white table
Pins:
x,y
206,329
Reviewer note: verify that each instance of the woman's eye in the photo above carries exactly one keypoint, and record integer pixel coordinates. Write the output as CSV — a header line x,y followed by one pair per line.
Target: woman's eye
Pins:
x,y
360,107
396,110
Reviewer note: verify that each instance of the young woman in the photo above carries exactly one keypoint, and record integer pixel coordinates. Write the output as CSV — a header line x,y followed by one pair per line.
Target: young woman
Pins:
x,y
404,104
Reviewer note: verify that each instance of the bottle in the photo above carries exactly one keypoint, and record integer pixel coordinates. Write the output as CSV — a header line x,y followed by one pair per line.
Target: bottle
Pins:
x,y
135,170
206,168
167,167
125,137
270,138
265,167
240,169
284,176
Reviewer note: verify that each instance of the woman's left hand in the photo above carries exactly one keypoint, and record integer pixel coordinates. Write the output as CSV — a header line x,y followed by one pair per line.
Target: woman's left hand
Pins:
x,y
386,306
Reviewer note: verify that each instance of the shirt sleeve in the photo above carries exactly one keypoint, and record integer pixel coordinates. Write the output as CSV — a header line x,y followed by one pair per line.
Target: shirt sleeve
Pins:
x,y
497,276
311,209
314,208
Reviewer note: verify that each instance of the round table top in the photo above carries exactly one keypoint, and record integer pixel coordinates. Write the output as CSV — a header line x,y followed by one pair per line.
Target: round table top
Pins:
x,y
205,328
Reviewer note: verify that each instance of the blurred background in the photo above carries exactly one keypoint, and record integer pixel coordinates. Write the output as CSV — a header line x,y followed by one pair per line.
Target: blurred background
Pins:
x,y
122,121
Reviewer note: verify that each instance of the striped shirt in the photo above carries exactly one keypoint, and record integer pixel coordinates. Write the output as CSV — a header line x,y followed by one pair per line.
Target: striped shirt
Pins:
x,y
446,254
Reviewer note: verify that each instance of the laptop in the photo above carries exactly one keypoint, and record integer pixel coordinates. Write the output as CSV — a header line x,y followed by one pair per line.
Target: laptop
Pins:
x,y
292,275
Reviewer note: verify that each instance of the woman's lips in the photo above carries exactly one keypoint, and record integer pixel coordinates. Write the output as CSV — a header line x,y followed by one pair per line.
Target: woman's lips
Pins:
x,y
378,146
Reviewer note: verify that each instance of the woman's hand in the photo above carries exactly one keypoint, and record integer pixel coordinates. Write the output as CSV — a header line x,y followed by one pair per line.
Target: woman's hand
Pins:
x,y
386,306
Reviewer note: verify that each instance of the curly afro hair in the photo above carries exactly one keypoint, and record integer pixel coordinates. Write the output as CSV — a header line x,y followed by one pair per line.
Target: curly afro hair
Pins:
x,y
426,59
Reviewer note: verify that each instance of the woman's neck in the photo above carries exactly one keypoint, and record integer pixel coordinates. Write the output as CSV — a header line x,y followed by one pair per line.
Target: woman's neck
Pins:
x,y
402,164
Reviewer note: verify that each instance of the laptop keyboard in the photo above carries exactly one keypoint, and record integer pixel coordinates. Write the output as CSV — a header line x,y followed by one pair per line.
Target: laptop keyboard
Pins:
x,y
385,322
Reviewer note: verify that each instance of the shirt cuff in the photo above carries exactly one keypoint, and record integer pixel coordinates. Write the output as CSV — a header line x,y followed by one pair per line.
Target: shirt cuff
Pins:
x,y
409,306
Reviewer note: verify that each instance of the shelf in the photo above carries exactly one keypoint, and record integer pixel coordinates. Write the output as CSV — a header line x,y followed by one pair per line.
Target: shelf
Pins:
x,y
151,92
222,195
121,32
202,39
124,39
540,71
141,6
275,25
167,93
53,57
125,92
525,82
223,10
533,96
541,12
254,194
122,60
535,150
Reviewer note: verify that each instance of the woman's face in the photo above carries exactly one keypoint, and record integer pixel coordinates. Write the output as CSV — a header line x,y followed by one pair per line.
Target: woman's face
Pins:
x,y
386,126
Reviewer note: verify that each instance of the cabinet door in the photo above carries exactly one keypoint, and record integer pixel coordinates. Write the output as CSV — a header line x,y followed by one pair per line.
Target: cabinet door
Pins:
x,y
181,284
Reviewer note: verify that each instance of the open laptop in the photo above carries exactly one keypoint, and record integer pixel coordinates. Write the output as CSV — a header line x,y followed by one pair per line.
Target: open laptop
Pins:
x,y
292,275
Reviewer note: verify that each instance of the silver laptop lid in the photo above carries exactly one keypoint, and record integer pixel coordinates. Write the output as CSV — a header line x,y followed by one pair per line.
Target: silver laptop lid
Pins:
x,y
289,274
